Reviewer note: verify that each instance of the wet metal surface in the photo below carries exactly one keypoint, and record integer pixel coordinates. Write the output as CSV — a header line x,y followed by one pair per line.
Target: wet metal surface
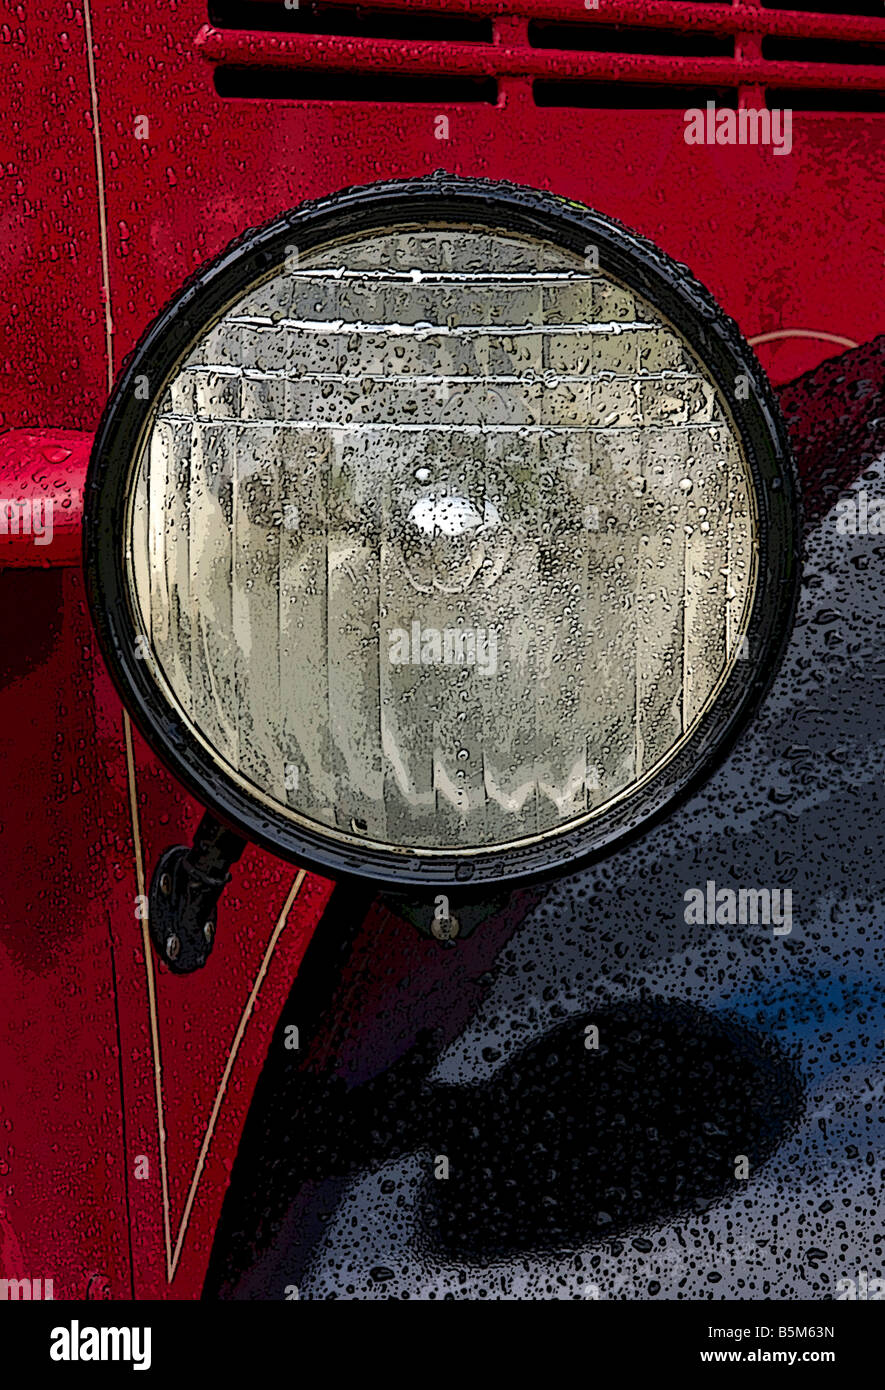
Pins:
x,y
616,1172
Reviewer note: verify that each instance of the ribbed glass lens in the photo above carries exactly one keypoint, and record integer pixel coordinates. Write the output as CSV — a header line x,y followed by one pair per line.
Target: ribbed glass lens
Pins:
x,y
441,540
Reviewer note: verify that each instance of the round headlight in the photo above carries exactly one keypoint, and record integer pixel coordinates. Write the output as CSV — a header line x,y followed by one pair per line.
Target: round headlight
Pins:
x,y
441,530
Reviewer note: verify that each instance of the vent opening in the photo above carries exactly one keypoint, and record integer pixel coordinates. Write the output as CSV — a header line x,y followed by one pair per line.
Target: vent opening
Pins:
x,y
823,51
281,84
810,99
645,96
364,23
329,50
596,39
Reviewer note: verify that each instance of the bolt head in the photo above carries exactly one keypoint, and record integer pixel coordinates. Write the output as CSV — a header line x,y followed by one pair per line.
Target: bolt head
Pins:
x,y
173,947
208,933
166,884
445,929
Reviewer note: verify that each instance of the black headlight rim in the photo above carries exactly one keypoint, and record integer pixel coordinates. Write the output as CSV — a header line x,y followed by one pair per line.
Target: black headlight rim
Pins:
x,y
623,254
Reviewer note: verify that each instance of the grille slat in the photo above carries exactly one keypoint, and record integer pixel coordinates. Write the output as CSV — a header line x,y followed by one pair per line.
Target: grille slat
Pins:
x,y
562,50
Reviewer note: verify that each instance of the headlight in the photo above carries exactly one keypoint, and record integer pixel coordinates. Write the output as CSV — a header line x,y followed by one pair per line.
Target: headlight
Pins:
x,y
442,530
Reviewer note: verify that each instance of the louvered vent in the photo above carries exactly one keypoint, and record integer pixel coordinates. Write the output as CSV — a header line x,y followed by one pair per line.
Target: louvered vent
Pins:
x,y
630,53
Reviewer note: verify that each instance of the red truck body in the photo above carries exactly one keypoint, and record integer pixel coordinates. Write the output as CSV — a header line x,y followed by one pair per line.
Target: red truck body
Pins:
x,y
124,1089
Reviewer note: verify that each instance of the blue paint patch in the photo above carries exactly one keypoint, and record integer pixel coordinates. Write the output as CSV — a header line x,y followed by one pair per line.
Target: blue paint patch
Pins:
x,y
834,1022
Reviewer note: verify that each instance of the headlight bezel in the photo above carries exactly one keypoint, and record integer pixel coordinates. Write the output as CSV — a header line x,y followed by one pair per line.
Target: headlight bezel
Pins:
x,y
626,257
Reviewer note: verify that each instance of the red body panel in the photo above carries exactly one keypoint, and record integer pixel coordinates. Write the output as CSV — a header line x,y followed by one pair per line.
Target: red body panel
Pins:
x,y
123,1089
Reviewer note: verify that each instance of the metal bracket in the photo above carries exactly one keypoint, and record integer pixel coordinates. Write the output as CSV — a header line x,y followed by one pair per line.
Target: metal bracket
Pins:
x,y
184,893
446,918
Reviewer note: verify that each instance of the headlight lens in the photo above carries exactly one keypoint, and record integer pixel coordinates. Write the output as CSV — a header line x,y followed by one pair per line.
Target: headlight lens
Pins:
x,y
445,539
